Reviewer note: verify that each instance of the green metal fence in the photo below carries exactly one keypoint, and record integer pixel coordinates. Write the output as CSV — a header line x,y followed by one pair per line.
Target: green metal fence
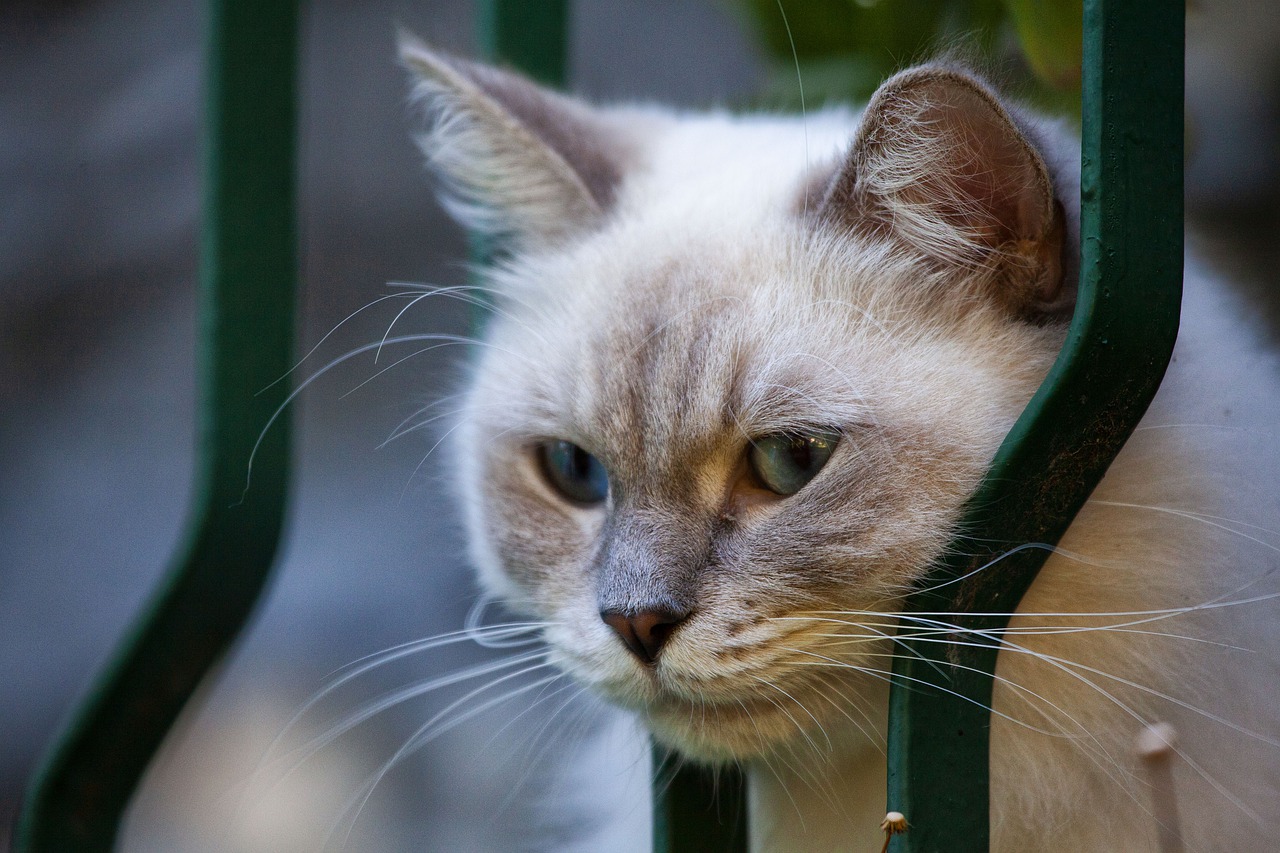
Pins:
x,y
247,292
1118,346
1120,342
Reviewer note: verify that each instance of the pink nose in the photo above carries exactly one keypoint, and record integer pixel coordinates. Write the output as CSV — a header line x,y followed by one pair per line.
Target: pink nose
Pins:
x,y
645,632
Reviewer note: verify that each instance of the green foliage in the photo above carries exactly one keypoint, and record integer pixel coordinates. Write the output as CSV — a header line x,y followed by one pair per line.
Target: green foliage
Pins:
x,y
839,50
1050,34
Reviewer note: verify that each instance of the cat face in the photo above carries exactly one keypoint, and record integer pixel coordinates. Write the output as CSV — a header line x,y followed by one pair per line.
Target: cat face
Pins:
x,y
741,376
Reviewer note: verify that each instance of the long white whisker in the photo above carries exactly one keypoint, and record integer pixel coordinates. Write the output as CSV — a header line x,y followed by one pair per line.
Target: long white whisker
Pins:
x,y
404,694
800,705
1156,614
466,293
1092,746
534,759
414,299
329,334
448,341
1041,630
1215,521
302,386
890,677
432,729
1074,668
360,666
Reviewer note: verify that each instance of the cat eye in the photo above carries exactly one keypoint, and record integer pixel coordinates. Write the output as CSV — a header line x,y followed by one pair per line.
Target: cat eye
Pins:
x,y
573,472
784,462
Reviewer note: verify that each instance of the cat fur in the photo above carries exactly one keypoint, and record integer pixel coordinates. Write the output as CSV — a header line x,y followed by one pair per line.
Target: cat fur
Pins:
x,y
674,284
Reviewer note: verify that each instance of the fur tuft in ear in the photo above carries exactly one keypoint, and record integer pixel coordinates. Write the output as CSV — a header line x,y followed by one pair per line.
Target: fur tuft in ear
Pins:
x,y
940,165
516,159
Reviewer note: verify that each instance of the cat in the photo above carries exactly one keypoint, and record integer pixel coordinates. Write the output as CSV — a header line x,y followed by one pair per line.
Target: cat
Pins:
x,y
741,374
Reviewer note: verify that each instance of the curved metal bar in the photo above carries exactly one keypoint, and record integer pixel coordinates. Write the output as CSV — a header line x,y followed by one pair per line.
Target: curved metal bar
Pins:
x,y
248,284
1119,344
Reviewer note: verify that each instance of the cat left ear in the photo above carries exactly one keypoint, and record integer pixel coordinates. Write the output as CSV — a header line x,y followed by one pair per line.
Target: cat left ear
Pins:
x,y
516,159
940,165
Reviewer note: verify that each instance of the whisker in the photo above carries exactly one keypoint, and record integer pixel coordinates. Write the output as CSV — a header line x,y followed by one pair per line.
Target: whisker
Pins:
x,y
801,706
328,335
535,759
404,694
1086,740
1023,630
403,428
1071,668
306,383
875,738
426,733
890,677
443,341
1215,521
1154,614
995,560
804,113
360,666
413,300
480,633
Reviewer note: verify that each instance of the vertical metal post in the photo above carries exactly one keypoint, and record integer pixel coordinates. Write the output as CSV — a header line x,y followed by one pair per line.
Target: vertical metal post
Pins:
x,y
1119,344
248,284
696,810
532,35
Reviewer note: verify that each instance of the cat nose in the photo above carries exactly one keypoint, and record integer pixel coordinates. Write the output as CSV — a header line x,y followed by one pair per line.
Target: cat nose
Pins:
x,y
644,632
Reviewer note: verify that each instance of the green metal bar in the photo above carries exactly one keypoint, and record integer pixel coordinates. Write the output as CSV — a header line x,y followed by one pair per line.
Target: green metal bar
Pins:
x,y
696,810
1118,347
531,35
248,283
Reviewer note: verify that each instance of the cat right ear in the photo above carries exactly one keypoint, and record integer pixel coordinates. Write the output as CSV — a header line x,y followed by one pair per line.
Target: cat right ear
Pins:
x,y
940,166
516,160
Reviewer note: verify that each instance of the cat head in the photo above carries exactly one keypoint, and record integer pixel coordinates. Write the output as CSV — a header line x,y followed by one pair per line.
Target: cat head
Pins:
x,y
741,375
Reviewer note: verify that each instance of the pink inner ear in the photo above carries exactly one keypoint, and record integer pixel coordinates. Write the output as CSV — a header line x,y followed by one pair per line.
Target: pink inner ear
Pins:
x,y
939,163
940,166
985,179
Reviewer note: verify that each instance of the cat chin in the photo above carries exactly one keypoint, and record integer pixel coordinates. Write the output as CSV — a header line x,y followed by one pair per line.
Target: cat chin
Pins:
x,y
699,727
736,726
730,738
753,730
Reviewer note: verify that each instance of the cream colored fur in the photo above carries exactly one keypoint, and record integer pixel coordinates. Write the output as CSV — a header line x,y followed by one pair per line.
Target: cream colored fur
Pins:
x,y
713,298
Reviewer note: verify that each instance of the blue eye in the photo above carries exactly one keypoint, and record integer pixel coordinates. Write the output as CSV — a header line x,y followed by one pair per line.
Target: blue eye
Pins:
x,y
573,472
785,462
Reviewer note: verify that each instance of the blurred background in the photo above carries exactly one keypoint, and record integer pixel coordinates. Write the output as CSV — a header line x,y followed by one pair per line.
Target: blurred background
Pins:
x,y
99,200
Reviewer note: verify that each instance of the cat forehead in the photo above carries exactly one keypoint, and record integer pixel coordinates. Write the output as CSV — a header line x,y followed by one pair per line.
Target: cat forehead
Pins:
x,y
709,305
718,171
707,339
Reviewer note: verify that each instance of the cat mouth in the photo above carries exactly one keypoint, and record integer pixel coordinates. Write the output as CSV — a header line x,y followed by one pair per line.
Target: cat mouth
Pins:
x,y
738,711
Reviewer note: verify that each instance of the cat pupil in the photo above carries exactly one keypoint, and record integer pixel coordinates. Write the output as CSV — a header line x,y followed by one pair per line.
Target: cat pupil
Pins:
x,y
573,472
800,454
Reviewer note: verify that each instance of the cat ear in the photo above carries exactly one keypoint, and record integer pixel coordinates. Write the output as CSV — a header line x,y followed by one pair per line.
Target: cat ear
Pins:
x,y
940,165
516,159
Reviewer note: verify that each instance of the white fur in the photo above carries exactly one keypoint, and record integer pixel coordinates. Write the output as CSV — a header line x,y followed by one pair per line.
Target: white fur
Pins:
x,y
705,307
